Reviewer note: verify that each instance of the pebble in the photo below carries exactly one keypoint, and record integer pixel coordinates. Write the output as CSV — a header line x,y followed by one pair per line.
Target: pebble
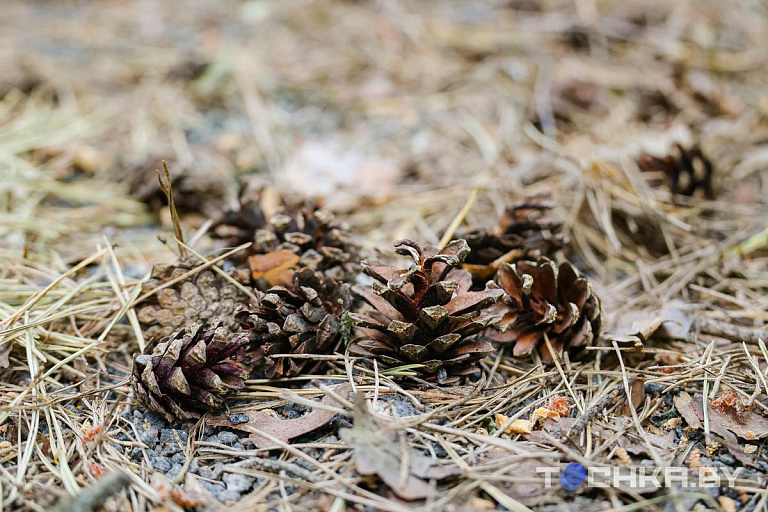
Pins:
x,y
136,454
212,473
175,470
228,438
169,449
214,487
237,483
154,419
178,458
227,496
237,419
727,458
160,463
149,436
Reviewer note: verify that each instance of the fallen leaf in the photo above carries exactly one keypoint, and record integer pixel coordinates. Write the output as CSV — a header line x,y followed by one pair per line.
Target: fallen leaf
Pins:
x,y
284,430
274,267
377,451
542,413
725,425
516,427
341,176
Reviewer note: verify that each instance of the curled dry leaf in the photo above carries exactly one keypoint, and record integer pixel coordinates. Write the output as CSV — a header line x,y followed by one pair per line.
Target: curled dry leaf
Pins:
x,y
519,426
284,430
378,452
274,267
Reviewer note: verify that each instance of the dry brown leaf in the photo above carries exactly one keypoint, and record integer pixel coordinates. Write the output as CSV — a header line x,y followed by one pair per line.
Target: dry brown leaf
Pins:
x,y
723,424
378,452
274,267
542,414
284,430
516,427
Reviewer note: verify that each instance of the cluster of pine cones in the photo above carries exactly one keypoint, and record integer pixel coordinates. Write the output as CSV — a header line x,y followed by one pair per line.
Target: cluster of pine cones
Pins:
x,y
300,293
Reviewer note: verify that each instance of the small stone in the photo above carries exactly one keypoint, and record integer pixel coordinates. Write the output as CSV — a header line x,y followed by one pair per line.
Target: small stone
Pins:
x,y
137,454
169,449
237,419
228,496
170,435
178,458
238,446
237,483
212,473
175,470
228,438
213,487
155,420
728,459
194,467
160,463
149,436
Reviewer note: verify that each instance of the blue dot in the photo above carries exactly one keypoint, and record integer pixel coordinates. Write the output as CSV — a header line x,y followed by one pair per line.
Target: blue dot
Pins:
x,y
572,476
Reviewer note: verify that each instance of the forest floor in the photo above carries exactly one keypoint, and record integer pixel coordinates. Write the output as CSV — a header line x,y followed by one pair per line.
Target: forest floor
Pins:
x,y
401,117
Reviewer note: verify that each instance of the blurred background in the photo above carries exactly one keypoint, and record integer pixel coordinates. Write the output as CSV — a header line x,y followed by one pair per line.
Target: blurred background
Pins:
x,y
389,111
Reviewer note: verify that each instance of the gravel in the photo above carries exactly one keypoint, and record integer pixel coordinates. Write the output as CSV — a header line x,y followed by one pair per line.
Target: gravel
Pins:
x,y
228,438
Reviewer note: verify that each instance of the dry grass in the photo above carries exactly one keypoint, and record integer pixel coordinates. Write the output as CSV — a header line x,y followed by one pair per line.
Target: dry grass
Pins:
x,y
456,97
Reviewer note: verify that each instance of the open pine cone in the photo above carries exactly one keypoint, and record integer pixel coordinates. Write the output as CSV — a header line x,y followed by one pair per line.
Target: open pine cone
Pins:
x,y
304,319
188,373
311,233
425,315
529,229
204,297
544,300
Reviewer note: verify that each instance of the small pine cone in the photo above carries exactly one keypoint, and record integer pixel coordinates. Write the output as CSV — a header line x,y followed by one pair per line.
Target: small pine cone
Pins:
x,y
303,319
311,233
529,229
188,373
687,172
425,315
544,300
205,297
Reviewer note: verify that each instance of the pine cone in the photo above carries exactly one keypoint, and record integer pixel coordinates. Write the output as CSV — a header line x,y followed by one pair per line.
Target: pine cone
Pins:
x,y
204,297
544,300
425,315
312,233
188,373
304,319
686,171
529,229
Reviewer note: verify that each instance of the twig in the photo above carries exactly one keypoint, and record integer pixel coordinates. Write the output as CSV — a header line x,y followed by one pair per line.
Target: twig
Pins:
x,y
93,497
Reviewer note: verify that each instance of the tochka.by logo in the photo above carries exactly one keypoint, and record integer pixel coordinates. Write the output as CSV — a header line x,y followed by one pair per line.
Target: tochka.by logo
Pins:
x,y
637,477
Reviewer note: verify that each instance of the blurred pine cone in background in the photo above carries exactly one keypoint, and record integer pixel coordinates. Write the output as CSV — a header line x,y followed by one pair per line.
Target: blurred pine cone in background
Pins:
x,y
186,374
203,297
425,315
301,320
529,229
544,300
687,172
311,233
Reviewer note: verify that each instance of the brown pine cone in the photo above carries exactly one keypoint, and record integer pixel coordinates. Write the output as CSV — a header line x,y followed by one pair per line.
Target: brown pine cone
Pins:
x,y
303,319
529,229
311,233
425,315
544,300
686,171
188,373
204,297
